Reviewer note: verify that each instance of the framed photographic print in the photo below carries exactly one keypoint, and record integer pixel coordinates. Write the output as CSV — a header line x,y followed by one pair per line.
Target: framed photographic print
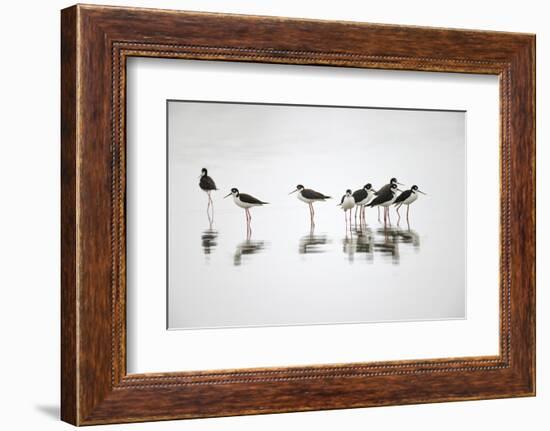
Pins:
x,y
266,215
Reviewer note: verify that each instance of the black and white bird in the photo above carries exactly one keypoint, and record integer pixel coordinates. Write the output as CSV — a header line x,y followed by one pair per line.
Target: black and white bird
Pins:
x,y
362,197
407,198
385,199
309,196
385,189
207,185
347,203
246,202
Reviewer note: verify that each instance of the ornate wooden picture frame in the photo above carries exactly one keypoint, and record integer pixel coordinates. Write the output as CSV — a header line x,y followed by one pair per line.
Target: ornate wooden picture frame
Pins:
x,y
96,41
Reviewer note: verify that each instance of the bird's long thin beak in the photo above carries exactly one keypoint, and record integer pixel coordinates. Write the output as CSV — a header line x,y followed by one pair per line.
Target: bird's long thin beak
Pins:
x,y
399,190
227,195
293,191
401,184
420,191
374,191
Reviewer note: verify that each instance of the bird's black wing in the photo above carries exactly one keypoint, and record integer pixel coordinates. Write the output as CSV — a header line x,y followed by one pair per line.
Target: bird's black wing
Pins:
x,y
381,199
403,196
360,195
250,199
207,183
312,194
382,190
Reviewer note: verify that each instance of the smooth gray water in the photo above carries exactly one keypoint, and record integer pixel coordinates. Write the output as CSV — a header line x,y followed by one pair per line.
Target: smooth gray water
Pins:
x,y
283,272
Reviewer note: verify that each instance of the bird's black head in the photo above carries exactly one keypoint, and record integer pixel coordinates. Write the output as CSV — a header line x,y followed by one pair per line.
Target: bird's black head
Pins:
x,y
204,172
415,189
348,192
368,186
299,187
394,186
393,181
234,192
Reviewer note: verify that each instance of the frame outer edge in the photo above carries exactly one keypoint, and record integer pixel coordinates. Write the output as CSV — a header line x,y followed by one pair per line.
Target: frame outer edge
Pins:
x,y
532,101
69,330
524,201
533,53
87,397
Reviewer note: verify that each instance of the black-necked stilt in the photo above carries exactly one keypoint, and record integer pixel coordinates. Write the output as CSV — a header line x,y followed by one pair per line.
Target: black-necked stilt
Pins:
x,y
362,197
385,199
207,185
347,203
246,202
407,198
382,190
309,196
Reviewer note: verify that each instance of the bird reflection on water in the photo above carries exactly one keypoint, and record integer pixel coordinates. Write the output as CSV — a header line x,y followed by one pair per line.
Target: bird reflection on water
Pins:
x,y
209,239
403,236
248,247
385,242
312,243
363,243
360,241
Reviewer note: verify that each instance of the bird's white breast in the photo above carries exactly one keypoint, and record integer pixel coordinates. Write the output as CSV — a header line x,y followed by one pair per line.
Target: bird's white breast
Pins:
x,y
303,199
348,203
411,199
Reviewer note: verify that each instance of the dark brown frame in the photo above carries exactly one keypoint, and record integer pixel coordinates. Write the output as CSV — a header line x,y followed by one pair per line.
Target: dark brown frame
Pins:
x,y
95,43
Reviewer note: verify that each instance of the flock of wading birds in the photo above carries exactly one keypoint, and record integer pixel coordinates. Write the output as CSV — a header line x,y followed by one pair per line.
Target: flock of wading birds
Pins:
x,y
367,196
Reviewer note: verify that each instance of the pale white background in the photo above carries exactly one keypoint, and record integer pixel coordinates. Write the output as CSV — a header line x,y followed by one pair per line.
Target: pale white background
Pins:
x,y
29,221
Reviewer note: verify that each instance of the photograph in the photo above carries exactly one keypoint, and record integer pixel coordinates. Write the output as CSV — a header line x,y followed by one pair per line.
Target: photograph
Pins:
x,y
281,214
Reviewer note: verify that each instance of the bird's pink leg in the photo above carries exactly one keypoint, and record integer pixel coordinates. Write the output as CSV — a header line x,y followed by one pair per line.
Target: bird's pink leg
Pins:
x,y
408,206
378,214
211,203
248,218
346,220
389,219
398,215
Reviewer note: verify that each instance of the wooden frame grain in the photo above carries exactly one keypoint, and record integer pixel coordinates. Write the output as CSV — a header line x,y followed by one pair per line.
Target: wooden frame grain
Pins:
x,y
95,43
